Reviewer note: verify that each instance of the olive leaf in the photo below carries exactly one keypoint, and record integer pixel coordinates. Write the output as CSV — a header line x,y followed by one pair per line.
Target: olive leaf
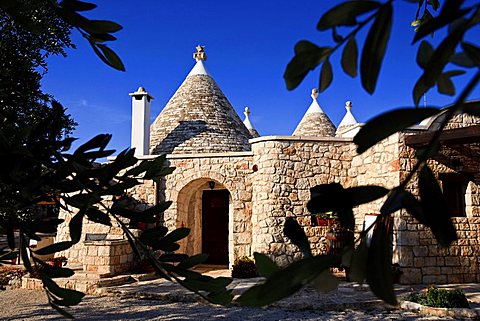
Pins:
x,y
440,57
287,281
326,75
296,234
265,266
424,53
345,14
472,51
435,208
358,266
307,57
375,47
350,58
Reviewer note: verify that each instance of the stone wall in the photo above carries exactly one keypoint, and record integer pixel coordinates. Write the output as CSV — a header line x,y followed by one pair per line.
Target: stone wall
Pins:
x,y
287,168
417,251
231,171
273,182
459,120
106,257
76,253
379,165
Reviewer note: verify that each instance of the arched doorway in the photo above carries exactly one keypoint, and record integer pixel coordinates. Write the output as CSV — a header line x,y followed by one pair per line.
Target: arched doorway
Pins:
x,y
204,206
215,204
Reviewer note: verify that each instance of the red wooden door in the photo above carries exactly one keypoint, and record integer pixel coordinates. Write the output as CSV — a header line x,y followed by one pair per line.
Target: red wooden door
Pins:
x,y
215,225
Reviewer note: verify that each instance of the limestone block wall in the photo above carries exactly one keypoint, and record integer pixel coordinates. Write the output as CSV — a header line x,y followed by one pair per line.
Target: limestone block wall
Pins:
x,y
417,251
379,165
459,120
231,171
108,257
145,194
287,168
317,238
414,247
78,252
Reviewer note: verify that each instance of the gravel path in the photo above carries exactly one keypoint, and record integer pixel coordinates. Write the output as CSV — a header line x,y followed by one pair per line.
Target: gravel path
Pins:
x,y
22,304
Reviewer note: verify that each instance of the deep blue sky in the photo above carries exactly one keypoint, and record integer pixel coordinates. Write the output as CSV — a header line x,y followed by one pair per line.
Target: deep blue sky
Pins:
x,y
248,44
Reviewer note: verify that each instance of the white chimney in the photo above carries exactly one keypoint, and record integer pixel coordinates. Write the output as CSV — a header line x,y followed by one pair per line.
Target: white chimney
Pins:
x,y
141,121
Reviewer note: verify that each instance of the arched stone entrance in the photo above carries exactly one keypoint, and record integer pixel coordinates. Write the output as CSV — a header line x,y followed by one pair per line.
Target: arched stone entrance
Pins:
x,y
215,205
204,206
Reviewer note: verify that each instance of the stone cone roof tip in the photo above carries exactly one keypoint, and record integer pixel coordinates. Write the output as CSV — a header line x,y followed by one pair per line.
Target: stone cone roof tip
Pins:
x,y
248,123
199,69
198,118
348,119
315,123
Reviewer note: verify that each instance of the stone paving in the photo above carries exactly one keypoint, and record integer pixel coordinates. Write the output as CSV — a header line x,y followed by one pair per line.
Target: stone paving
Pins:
x,y
31,305
348,296
159,299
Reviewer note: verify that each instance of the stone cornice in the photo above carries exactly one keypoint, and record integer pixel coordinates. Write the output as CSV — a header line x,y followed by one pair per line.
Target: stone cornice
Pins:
x,y
301,139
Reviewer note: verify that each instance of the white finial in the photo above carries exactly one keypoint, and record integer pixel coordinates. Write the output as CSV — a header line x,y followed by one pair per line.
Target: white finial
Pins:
x,y
348,119
247,112
348,105
248,123
200,54
141,90
314,106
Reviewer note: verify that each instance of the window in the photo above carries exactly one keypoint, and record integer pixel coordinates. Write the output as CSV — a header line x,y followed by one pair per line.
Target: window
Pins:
x,y
454,188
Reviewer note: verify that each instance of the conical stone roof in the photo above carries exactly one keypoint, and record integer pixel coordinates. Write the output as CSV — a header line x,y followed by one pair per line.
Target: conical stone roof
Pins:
x,y
315,123
348,120
198,118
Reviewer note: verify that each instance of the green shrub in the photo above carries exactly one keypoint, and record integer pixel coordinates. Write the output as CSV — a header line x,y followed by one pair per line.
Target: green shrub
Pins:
x,y
244,268
440,298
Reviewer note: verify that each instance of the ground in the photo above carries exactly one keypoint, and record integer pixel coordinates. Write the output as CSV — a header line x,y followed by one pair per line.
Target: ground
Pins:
x,y
20,304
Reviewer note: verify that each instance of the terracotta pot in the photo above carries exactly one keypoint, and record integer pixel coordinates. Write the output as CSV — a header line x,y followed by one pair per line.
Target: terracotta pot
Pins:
x,y
321,221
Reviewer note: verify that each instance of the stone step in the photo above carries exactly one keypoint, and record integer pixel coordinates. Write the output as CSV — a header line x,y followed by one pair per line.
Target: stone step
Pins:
x,y
87,282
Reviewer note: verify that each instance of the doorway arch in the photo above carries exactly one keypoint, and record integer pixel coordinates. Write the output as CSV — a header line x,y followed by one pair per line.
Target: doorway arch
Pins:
x,y
204,205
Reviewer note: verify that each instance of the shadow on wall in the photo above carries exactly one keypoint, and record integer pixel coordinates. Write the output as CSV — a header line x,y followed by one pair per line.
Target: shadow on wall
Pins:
x,y
182,133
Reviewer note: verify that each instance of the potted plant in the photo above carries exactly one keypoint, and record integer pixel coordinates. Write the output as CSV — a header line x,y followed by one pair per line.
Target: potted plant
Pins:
x,y
326,219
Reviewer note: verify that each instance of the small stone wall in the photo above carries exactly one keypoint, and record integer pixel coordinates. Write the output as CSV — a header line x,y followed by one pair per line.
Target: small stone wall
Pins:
x,y
76,253
107,257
